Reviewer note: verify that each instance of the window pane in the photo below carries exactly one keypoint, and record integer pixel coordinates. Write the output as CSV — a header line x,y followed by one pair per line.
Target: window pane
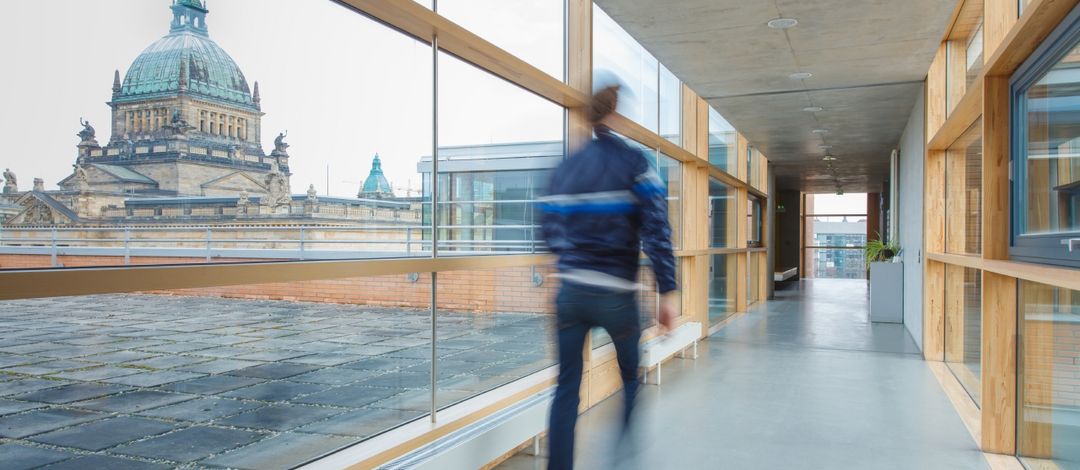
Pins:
x,y
532,30
974,56
836,231
617,56
1051,187
1049,399
231,372
670,106
722,286
963,196
497,146
194,161
835,263
963,327
670,171
754,221
494,326
722,214
723,143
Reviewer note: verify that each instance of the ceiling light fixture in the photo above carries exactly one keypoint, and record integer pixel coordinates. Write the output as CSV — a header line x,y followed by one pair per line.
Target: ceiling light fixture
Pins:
x,y
829,158
801,75
782,23
825,147
820,131
812,109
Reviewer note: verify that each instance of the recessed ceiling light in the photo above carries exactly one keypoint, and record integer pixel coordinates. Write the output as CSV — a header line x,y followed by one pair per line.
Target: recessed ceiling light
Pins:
x,y
829,158
782,23
801,75
825,147
812,109
820,131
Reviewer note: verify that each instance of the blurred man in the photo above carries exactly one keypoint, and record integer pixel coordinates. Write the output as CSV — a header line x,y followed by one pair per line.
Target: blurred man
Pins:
x,y
606,204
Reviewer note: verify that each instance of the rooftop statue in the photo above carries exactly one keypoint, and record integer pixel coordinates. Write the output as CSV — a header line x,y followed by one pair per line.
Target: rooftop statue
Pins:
x,y
88,133
11,183
279,142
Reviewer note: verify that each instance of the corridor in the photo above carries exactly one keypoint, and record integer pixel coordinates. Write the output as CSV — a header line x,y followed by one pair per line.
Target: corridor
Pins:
x,y
801,382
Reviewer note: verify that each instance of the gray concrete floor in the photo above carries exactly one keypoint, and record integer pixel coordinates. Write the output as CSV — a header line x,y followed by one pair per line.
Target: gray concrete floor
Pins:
x,y
801,382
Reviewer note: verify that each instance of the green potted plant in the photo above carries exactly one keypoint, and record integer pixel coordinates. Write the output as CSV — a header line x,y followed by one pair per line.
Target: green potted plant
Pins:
x,y
886,281
877,250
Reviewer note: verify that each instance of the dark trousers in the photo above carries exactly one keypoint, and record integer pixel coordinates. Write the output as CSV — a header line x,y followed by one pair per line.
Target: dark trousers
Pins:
x,y
579,309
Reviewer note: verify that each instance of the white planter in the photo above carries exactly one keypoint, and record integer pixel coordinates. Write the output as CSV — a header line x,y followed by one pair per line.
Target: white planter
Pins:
x,y
887,292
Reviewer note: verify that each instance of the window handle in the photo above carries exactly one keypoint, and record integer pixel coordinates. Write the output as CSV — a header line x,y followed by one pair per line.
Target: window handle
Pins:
x,y
1072,243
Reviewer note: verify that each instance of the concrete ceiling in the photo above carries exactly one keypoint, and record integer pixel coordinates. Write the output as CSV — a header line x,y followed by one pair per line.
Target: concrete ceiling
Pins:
x,y
868,59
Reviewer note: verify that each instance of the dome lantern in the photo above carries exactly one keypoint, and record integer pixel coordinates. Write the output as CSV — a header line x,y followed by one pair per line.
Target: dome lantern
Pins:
x,y
189,15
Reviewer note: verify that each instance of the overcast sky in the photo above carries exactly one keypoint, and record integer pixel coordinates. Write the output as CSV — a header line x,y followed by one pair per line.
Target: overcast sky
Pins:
x,y
344,86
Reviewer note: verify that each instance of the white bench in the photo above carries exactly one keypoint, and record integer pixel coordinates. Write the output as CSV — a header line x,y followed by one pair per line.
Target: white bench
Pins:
x,y
781,276
656,350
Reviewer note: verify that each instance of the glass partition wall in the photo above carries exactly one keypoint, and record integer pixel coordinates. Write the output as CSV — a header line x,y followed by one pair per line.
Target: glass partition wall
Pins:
x,y
357,204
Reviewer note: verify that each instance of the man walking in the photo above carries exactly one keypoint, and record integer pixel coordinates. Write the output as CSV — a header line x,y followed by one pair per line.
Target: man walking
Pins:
x,y
606,204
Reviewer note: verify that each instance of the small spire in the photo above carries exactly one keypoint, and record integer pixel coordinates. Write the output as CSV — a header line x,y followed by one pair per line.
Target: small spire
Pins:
x,y
116,86
183,76
255,98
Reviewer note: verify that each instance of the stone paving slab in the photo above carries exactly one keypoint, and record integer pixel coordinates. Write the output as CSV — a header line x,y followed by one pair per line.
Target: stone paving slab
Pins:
x,y
39,421
191,444
69,393
201,410
106,433
280,417
281,452
20,457
105,462
234,383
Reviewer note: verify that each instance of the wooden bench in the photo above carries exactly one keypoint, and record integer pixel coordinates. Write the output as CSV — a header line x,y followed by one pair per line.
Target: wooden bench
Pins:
x,y
781,276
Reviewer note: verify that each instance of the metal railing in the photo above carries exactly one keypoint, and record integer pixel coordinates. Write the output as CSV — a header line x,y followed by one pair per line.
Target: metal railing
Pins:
x,y
271,242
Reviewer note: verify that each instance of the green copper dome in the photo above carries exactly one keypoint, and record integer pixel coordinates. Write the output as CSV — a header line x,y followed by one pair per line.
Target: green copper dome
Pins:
x,y
376,184
186,60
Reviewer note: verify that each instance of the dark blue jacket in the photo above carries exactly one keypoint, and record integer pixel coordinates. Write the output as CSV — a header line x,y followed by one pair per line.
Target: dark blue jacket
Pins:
x,y
606,204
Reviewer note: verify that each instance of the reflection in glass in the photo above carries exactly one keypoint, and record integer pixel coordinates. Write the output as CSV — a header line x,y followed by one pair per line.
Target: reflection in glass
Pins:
x,y
670,106
963,327
497,147
963,194
616,55
1049,411
722,286
531,30
193,160
974,56
494,326
754,222
670,171
721,214
723,143
1050,186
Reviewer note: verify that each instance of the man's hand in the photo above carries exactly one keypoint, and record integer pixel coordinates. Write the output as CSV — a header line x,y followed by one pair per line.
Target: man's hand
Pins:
x,y
669,309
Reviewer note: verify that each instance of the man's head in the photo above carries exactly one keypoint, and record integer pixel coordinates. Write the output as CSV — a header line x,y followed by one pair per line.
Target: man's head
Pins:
x,y
603,104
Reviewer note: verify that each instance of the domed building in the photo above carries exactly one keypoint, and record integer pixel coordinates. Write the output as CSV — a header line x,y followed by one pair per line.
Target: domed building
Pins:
x,y
184,123
376,185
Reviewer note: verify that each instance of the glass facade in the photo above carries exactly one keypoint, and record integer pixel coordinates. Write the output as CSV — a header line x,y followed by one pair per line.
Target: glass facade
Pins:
x,y
721,287
963,196
721,214
723,143
1047,187
670,106
531,30
1049,401
619,58
495,160
835,229
963,327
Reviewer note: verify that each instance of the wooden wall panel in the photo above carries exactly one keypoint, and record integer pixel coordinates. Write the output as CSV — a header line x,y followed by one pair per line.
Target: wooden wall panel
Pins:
x,y
935,93
998,363
995,178
934,311
1000,16
956,65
